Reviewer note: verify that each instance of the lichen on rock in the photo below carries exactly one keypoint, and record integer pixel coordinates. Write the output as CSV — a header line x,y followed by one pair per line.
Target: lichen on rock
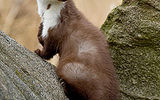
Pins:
x,y
133,33
24,75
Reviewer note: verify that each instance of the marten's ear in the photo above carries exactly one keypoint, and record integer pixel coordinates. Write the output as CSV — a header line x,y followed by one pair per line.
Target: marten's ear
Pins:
x,y
62,0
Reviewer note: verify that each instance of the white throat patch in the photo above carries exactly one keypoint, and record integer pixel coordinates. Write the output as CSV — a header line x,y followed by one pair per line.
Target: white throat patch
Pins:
x,y
49,16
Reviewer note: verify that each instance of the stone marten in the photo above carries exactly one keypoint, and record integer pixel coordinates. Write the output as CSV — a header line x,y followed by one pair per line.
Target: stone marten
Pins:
x,y
85,63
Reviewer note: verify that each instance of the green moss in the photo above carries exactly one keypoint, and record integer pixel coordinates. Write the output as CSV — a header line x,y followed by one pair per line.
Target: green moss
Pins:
x,y
18,74
133,32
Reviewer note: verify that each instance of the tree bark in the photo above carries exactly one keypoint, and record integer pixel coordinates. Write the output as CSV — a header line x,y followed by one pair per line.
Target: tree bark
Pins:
x,y
133,33
24,75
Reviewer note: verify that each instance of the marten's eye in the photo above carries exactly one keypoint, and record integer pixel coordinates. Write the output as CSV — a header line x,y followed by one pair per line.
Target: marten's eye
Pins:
x,y
62,0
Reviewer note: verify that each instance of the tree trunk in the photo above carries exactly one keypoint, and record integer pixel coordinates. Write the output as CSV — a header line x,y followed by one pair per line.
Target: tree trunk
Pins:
x,y
24,75
133,32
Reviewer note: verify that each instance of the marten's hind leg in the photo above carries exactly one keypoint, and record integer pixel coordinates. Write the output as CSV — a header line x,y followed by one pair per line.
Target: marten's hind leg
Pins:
x,y
82,83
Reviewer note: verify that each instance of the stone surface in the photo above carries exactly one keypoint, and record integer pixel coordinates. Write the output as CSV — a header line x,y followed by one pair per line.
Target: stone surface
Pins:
x,y
24,75
133,32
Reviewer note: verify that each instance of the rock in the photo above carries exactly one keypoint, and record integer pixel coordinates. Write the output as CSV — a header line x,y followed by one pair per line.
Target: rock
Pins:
x,y
24,75
133,33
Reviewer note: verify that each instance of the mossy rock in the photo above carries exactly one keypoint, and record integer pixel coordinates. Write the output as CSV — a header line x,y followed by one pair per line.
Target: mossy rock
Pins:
x,y
133,33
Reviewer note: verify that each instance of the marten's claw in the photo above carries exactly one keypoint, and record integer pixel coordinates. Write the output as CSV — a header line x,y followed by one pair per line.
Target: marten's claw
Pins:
x,y
38,51
62,82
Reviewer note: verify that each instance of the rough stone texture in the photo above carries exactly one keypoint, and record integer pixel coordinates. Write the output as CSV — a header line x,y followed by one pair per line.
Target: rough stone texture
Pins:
x,y
25,76
133,32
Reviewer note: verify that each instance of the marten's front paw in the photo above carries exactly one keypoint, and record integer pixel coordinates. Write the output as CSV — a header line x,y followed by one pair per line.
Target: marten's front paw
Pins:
x,y
38,51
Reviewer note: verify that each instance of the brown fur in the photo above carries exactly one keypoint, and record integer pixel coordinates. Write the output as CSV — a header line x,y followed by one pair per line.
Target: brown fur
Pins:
x,y
48,7
94,78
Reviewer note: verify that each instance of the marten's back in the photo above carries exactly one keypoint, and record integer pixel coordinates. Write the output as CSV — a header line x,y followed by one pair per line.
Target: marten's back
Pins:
x,y
86,64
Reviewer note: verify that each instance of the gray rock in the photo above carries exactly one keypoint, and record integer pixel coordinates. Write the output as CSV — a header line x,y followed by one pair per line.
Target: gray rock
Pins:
x,y
24,75
133,32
